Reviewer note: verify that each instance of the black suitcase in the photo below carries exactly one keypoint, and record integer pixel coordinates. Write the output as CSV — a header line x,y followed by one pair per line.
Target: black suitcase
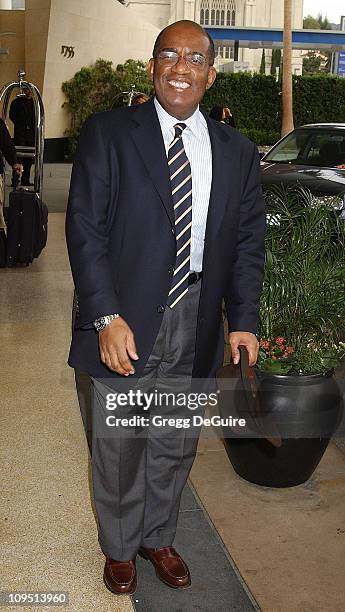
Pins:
x,y
3,244
3,236
27,227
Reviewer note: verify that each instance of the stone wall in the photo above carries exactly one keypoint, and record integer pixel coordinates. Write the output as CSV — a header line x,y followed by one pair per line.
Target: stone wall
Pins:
x,y
103,29
89,30
14,22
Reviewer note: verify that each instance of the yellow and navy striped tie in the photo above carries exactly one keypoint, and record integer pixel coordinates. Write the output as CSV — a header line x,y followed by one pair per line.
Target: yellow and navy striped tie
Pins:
x,y
181,188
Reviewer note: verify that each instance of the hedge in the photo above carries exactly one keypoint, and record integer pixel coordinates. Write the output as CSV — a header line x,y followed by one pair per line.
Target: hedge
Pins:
x,y
255,100
319,99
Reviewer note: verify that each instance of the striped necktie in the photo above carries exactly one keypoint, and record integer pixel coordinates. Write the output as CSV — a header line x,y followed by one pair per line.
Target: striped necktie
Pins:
x,y
181,188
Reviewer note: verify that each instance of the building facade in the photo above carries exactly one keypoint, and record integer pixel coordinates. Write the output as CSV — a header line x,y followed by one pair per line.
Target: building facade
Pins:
x,y
52,39
240,13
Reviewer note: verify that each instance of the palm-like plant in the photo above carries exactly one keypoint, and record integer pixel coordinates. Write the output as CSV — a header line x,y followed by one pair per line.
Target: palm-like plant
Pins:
x,y
303,297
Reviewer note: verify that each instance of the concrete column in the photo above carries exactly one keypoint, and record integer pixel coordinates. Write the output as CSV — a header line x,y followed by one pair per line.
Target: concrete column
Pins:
x,y
179,10
250,13
196,11
172,17
188,12
6,4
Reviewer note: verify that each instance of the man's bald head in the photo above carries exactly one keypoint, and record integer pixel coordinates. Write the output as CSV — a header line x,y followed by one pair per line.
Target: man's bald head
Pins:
x,y
211,52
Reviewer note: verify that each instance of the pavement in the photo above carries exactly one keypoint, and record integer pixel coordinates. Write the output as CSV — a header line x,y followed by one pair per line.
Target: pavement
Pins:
x,y
56,179
248,547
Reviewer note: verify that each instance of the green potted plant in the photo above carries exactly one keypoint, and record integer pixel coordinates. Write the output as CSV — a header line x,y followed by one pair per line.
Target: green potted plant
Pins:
x,y
302,332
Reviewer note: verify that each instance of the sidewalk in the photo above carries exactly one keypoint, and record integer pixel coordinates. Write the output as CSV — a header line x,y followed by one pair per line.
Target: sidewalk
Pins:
x,y
56,179
256,548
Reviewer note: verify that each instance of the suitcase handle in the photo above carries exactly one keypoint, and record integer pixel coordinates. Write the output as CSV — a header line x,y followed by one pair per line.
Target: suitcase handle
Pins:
x,y
15,179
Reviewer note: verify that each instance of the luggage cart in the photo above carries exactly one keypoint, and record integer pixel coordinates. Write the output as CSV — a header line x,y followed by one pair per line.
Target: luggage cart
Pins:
x,y
125,98
36,152
27,218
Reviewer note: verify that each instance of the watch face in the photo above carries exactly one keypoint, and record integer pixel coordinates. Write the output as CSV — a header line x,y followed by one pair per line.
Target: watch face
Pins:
x,y
100,324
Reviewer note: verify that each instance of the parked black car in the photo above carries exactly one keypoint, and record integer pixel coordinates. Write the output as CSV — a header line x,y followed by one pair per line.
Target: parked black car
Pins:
x,y
312,156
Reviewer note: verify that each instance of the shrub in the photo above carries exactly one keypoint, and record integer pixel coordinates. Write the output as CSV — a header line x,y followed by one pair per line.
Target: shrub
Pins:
x,y
97,88
255,100
261,137
303,292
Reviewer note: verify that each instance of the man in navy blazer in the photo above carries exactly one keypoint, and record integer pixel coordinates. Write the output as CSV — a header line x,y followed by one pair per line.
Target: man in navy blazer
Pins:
x,y
137,319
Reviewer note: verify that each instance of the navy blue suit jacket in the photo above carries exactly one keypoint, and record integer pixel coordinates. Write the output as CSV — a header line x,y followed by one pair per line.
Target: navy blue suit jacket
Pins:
x,y
121,242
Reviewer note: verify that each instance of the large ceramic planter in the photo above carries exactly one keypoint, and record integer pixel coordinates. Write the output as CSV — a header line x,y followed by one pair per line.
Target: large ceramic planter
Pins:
x,y
304,411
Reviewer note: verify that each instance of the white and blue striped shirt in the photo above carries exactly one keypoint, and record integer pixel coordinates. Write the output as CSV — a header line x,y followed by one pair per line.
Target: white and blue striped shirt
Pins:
x,y
197,145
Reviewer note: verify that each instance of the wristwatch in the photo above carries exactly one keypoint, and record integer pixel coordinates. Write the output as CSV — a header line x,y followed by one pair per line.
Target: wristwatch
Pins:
x,y
101,323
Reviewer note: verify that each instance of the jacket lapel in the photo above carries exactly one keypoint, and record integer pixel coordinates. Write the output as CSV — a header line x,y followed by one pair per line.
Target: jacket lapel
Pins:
x,y
148,139
224,170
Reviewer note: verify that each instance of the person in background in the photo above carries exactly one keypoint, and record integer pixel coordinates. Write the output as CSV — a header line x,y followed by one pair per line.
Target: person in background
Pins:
x,y
7,151
139,98
22,115
223,114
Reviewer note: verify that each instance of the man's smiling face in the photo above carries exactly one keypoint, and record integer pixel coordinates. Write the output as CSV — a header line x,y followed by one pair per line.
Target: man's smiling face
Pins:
x,y
180,86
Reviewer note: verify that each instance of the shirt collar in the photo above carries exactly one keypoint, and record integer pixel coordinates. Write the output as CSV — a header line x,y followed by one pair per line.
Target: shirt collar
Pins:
x,y
195,122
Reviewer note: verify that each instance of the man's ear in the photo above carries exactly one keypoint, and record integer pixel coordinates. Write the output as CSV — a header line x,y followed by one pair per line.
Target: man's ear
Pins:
x,y
150,68
211,77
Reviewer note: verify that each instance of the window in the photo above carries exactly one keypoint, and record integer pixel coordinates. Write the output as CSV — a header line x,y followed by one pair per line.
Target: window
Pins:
x,y
222,12
314,147
219,13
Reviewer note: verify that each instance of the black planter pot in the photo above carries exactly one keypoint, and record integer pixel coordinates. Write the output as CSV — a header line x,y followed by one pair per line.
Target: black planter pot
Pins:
x,y
301,412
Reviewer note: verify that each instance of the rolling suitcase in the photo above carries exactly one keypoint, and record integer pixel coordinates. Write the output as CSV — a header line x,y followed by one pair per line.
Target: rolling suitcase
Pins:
x,y
27,227
3,244
3,237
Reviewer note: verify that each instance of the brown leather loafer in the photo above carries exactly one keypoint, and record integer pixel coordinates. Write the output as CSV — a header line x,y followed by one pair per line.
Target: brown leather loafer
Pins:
x,y
120,577
169,566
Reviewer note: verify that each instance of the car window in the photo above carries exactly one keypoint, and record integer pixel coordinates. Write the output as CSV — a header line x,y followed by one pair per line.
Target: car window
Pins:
x,y
326,149
290,149
323,148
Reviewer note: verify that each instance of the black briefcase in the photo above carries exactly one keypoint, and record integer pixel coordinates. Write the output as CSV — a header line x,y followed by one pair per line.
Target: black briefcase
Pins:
x,y
238,397
27,227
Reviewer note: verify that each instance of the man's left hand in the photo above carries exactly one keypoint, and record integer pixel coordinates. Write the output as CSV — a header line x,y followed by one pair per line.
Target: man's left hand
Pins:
x,y
246,339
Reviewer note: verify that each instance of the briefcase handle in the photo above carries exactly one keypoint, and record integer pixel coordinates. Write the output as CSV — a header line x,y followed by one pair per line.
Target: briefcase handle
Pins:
x,y
249,384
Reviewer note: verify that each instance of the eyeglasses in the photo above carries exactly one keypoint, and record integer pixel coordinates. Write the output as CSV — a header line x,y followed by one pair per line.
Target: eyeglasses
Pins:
x,y
170,58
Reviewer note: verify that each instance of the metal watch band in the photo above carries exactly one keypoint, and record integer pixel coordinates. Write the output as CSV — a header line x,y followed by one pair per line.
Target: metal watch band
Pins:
x,y
102,322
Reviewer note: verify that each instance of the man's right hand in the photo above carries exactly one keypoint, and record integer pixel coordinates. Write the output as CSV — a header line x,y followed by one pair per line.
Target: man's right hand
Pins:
x,y
117,345
18,168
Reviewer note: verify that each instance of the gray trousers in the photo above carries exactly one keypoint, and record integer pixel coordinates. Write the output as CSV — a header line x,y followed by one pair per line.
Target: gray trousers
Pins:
x,y
139,473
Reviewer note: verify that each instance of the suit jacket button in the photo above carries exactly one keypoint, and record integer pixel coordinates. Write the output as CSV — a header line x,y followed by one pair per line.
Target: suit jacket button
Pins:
x,y
172,230
171,270
160,309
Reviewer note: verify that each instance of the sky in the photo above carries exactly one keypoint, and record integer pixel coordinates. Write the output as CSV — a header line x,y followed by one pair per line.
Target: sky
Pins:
x,y
332,9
